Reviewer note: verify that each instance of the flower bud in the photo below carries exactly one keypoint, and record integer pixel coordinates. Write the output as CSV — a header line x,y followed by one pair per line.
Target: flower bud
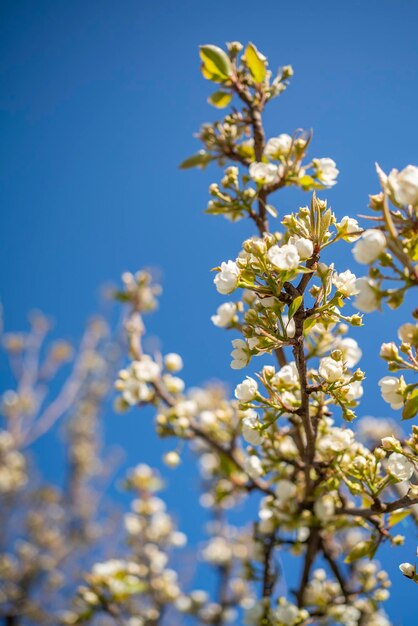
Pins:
x,y
171,459
392,444
389,351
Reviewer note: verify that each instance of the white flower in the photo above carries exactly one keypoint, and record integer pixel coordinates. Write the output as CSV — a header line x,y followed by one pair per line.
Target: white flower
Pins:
x,y
173,362
218,551
400,467
264,173
404,185
146,369
331,370
174,384
369,247
285,490
408,333
326,171
408,570
324,507
389,351
171,459
250,432
253,466
367,299
353,391
390,443
132,382
336,440
390,388
349,229
303,246
346,283
240,356
225,314
287,376
277,146
226,280
284,258
351,351
247,390
289,615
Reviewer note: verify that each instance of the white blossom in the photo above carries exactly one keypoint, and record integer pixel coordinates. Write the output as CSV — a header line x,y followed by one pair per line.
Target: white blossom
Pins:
x,y
367,299
285,257
326,171
351,351
173,362
253,466
349,229
288,614
389,351
408,570
408,333
330,369
227,279
171,459
278,146
247,390
399,466
225,314
146,369
250,428
240,356
404,185
287,376
285,490
369,247
353,391
345,282
218,551
336,440
264,173
303,246
390,388
324,507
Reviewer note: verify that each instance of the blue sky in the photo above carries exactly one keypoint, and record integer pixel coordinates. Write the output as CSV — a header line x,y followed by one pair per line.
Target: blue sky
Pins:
x,y
98,104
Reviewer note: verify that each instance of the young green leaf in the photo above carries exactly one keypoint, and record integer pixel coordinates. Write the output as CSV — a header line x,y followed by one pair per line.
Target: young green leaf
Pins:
x,y
360,550
216,62
411,407
220,99
200,159
255,62
295,306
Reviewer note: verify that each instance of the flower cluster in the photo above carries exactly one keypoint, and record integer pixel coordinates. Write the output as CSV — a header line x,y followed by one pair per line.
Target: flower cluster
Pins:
x,y
140,586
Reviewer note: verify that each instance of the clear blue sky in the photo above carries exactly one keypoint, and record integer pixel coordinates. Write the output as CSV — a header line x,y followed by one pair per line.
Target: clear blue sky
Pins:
x,y
98,103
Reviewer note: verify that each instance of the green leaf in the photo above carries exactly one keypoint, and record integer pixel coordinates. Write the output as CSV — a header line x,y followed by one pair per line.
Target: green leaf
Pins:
x,y
220,99
121,296
255,62
325,224
200,159
411,407
398,516
295,305
308,323
360,550
216,63
307,182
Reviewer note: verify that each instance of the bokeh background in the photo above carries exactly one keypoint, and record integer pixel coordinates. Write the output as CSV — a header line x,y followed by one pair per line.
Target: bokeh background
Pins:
x,y
98,104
